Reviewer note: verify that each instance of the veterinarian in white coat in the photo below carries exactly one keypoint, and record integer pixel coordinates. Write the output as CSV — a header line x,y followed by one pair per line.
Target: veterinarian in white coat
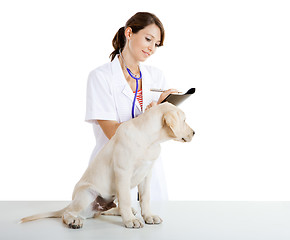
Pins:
x,y
110,88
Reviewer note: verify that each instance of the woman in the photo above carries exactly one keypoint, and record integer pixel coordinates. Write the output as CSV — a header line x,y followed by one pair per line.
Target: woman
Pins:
x,y
111,87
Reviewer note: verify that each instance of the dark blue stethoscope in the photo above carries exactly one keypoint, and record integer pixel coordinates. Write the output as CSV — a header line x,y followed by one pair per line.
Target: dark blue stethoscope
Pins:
x,y
136,78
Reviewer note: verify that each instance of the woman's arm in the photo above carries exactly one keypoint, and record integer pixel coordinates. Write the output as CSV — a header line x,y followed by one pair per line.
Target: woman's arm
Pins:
x,y
109,127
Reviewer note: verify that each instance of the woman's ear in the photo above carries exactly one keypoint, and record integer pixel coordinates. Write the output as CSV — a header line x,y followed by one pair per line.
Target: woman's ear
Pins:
x,y
128,33
170,121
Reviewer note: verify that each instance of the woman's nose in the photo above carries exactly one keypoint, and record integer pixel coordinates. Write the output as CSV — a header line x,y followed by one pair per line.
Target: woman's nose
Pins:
x,y
151,47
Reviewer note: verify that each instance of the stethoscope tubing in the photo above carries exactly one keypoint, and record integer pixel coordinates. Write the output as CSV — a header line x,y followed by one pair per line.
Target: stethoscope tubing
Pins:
x,y
136,91
137,79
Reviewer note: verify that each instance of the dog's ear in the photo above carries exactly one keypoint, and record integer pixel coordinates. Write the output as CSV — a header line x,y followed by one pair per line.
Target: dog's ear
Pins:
x,y
170,120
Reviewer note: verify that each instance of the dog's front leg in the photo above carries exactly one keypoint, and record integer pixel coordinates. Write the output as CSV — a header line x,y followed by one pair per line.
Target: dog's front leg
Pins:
x,y
123,191
144,198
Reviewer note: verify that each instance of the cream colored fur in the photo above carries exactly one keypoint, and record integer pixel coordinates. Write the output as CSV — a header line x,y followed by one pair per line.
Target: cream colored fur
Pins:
x,y
124,162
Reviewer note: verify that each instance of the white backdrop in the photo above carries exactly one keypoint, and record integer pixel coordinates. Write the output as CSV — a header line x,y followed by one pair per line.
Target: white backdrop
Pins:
x,y
235,53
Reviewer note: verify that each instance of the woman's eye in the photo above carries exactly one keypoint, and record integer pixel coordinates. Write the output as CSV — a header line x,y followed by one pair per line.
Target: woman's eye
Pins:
x,y
149,40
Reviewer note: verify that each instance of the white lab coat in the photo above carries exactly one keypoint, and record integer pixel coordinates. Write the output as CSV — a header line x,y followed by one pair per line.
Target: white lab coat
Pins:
x,y
109,97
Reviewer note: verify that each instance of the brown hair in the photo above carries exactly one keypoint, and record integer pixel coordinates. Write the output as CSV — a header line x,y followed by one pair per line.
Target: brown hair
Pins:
x,y
137,22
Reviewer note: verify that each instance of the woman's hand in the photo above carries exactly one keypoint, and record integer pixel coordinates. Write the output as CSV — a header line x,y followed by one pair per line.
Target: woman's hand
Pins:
x,y
151,105
161,98
165,94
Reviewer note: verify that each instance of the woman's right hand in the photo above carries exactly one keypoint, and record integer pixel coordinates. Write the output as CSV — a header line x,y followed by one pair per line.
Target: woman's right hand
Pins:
x,y
151,105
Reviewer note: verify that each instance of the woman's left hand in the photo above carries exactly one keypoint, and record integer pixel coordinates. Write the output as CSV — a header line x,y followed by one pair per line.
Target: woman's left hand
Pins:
x,y
161,98
165,94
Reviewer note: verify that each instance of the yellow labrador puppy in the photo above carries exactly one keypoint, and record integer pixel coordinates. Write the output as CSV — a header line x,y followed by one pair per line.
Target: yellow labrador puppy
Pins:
x,y
124,162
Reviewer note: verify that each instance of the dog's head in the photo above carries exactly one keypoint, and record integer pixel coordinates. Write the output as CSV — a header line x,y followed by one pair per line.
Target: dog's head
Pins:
x,y
177,128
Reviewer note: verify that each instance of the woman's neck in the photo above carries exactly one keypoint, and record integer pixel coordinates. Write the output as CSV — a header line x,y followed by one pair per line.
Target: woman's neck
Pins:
x,y
131,63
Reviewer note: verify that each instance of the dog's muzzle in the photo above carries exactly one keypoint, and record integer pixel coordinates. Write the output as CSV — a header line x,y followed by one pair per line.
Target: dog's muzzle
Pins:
x,y
189,137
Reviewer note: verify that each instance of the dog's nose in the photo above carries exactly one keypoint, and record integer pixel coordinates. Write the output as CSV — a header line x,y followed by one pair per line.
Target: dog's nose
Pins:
x,y
193,132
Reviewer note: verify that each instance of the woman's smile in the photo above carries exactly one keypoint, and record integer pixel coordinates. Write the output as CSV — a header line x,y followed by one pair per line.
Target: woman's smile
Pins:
x,y
146,53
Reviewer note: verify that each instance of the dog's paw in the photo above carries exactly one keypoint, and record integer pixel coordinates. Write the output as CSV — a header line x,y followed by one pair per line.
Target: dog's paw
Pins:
x,y
154,219
134,223
72,221
76,224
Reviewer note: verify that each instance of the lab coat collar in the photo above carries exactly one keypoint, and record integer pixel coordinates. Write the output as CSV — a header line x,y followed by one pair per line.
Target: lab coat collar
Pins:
x,y
120,81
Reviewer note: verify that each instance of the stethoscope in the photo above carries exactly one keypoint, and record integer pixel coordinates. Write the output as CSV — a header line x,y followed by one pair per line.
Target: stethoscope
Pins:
x,y
136,78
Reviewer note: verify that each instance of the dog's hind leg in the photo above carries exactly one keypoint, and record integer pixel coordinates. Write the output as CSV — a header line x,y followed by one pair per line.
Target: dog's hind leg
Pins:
x,y
79,209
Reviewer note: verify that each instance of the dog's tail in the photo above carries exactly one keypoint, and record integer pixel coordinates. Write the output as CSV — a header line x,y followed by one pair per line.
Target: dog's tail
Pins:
x,y
56,214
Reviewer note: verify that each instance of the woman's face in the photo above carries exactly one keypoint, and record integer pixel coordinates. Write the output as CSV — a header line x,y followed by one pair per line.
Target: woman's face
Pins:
x,y
143,43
